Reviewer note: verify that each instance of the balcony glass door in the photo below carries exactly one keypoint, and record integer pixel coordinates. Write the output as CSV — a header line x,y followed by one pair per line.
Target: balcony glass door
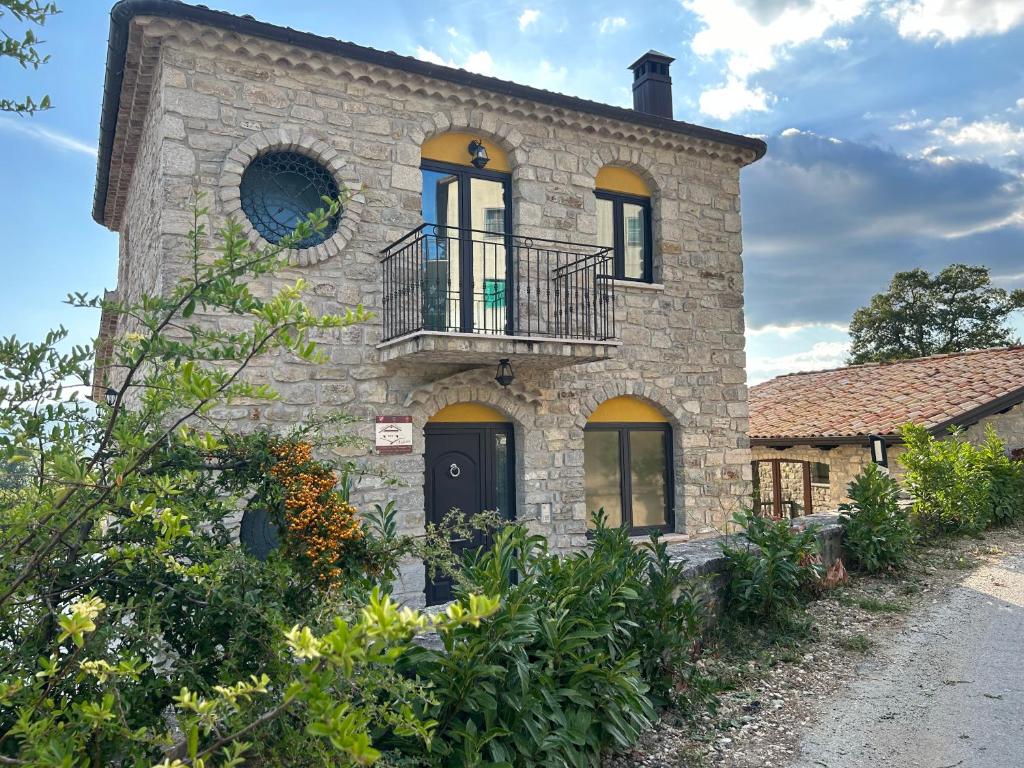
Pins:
x,y
466,265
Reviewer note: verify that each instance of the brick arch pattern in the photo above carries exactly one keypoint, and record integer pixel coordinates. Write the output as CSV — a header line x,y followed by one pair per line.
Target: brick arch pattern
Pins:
x,y
472,387
637,160
484,123
313,146
651,393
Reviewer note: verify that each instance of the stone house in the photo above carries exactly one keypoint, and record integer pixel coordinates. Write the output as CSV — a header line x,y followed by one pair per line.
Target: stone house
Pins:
x,y
809,432
591,252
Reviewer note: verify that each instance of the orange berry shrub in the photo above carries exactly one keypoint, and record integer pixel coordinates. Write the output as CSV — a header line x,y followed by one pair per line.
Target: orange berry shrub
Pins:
x,y
322,531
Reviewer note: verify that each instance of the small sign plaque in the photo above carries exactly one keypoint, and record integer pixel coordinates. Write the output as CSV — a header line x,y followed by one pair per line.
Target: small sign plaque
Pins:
x,y
393,434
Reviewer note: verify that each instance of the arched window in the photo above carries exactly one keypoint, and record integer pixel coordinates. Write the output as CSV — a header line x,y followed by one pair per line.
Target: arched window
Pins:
x,y
624,222
627,464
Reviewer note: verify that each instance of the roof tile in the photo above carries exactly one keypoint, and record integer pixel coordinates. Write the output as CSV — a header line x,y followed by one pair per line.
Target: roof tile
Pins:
x,y
877,398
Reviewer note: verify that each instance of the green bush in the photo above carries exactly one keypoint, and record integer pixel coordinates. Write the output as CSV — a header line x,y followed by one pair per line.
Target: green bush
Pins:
x,y
564,669
772,573
948,481
877,534
1005,480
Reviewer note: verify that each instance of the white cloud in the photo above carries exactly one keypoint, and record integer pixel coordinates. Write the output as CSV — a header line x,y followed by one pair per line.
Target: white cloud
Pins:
x,y
528,17
611,24
1020,103
837,43
821,355
477,61
752,38
792,329
27,126
984,132
425,54
953,20
733,98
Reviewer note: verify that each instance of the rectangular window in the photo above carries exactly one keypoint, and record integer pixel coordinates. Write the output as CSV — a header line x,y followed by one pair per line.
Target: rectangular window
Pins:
x,y
494,222
628,473
819,473
624,225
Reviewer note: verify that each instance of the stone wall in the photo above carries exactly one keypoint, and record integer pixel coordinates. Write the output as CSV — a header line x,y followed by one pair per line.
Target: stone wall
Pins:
x,y
847,461
218,99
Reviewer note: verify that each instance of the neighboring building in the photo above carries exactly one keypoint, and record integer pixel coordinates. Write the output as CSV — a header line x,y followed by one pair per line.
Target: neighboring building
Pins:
x,y
809,431
597,250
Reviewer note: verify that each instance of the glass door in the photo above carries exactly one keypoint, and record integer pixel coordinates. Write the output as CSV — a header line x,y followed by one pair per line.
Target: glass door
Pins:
x,y
466,264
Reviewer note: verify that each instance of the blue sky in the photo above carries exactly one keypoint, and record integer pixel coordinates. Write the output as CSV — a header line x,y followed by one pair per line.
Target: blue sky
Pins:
x,y
895,132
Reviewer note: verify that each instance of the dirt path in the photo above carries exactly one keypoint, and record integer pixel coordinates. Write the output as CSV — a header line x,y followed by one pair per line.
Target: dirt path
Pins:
x,y
948,692
921,671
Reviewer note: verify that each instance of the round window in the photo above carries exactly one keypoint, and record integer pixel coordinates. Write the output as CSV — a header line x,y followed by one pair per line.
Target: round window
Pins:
x,y
280,189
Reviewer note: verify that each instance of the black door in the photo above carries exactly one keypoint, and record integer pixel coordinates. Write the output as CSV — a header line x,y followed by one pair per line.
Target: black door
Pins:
x,y
469,468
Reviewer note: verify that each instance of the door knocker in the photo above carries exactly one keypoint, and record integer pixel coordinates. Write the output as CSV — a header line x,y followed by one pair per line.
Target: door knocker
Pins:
x,y
454,470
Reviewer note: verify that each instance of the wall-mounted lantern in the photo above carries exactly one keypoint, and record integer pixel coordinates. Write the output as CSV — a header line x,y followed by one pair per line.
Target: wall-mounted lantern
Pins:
x,y
504,375
110,396
879,450
478,153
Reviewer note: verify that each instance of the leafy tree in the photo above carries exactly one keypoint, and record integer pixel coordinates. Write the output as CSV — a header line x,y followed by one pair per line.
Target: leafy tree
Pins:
x,y
956,310
24,49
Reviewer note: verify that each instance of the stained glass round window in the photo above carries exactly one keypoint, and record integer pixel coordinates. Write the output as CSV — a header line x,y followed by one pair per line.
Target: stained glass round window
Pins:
x,y
280,189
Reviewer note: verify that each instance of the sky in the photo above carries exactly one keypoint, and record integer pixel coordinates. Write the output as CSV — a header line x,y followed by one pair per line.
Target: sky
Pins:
x,y
895,133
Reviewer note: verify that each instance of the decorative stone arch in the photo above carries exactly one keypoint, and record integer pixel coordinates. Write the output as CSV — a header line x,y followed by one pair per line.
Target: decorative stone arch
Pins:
x,y
478,387
679,420
639,161
481,122
312,146
650,393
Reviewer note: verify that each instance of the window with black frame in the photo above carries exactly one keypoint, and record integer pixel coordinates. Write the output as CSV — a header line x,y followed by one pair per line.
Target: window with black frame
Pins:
x,y
624,225
628,474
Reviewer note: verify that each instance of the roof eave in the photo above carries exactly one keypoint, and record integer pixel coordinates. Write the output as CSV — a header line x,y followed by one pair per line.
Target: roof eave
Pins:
x,y
124,11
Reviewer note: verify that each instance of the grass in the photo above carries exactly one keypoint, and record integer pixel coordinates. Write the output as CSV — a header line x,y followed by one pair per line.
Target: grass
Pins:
x,y
874,604
856,643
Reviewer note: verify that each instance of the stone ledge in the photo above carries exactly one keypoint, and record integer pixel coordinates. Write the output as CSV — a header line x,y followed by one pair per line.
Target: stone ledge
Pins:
x,y
636,285
440,347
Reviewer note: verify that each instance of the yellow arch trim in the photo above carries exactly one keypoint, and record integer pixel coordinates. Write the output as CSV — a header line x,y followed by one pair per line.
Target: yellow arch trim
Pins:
x,y
626,409
453,147
613,178
467,413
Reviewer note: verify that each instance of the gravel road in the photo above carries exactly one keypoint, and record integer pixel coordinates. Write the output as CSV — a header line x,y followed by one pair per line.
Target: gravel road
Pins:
x,y
949,691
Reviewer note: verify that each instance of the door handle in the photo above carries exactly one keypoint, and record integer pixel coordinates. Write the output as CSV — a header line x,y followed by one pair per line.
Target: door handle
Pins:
x,y
454,470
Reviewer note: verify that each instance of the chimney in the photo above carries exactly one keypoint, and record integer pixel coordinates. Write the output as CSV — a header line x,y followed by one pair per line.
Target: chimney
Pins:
x,y
652,86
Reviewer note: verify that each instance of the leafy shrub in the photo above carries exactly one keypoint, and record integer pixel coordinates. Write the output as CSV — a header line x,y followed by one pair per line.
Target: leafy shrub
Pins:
x,y
877,534
558,673
947,480
1005,477
132,625
770,575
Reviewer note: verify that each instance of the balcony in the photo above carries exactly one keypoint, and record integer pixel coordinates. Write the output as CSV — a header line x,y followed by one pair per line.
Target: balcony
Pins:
x,y
474,296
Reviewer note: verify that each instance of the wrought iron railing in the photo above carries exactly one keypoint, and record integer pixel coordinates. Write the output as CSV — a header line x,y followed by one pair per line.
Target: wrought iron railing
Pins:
x,y
473,281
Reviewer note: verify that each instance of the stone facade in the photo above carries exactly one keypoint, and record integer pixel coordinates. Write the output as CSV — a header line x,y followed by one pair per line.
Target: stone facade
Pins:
x,y
197,103
847,461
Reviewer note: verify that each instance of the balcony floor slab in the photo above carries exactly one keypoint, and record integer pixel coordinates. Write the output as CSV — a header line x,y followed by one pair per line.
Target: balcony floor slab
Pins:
x,y
440,347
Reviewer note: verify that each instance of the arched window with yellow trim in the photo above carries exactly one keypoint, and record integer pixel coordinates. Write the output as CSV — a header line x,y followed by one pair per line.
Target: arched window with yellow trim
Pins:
x,y
627,464
624,222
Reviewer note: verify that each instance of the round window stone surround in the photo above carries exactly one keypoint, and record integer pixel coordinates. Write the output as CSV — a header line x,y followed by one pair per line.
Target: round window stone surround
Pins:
x,y
281,189
315,149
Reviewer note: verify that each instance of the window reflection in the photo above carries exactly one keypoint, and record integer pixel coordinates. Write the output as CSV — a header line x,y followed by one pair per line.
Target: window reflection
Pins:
x,y
601,475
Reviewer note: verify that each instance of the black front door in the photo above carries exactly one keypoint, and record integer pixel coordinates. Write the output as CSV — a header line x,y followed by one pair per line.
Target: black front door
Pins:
x,y
469,468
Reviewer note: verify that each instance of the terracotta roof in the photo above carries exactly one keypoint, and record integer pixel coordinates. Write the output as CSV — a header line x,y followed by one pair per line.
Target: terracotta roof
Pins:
x,y
847,404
